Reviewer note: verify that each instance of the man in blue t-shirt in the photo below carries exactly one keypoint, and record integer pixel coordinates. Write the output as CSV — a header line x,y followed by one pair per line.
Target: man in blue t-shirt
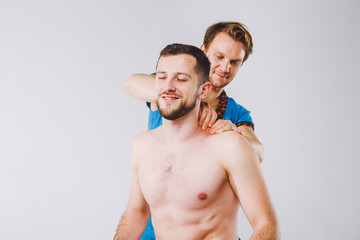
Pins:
x,y
227,46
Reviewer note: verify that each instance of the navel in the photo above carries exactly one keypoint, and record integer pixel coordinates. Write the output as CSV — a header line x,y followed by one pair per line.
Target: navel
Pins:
x,y
202,196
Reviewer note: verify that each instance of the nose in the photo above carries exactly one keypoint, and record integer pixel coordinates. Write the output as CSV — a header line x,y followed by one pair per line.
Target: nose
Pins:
x,y
225,66
169,85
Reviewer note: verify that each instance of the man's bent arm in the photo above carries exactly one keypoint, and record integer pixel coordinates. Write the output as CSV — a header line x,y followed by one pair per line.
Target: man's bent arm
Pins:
x,y
134,221
141,86
245,176
248,132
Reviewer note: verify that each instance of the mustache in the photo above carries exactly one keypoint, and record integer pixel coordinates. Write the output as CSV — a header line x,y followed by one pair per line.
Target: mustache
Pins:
x,y
168,94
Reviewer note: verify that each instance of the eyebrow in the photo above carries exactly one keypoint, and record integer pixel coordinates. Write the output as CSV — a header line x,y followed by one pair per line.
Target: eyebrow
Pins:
x,y
179,73
237,59
186,74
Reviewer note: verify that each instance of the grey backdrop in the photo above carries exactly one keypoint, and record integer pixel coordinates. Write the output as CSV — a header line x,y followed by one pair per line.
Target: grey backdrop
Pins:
x,y
66,123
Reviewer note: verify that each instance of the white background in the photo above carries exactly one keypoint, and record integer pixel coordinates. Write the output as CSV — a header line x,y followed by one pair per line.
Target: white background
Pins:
x,y
66,123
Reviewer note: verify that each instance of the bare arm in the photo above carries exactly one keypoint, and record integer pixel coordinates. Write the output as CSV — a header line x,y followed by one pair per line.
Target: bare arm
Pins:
x,y
243,167
141,86
249,134
137,214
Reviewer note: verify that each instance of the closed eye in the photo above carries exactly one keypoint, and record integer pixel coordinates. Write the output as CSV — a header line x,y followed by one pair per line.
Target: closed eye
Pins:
x,y
235,63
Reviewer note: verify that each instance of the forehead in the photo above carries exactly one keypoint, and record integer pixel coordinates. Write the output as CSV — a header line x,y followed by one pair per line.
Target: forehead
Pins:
x,y
225,44
177,63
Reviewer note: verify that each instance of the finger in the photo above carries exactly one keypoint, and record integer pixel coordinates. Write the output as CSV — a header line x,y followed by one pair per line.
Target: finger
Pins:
x,y
203,115
213,119
224,127
206,121
218,124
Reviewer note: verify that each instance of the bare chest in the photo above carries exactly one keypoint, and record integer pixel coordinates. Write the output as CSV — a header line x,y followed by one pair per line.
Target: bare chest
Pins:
x,y
187,178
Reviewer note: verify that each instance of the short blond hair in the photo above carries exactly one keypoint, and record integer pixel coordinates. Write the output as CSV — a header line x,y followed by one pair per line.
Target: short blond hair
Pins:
x,y
236,30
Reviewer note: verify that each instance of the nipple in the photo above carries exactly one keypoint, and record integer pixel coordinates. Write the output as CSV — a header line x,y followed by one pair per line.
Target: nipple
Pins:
x,y
202,196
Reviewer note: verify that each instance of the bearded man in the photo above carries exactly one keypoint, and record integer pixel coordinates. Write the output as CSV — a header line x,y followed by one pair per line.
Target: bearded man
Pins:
x,y
192,183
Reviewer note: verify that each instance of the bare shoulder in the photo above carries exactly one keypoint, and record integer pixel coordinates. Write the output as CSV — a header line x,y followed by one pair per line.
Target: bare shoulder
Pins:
x,y
230,140
232,146
143,137
147,138
144,142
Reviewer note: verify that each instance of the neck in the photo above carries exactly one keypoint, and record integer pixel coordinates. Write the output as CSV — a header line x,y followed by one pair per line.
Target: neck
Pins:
x,y
213,97
182,129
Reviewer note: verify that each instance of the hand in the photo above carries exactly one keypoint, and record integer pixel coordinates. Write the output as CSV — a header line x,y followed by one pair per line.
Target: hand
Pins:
x,y
207,116
222,126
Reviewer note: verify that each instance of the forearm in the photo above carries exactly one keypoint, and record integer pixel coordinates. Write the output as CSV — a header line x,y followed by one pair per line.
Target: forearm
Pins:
x,y
132,225
250,136
141,86
266,232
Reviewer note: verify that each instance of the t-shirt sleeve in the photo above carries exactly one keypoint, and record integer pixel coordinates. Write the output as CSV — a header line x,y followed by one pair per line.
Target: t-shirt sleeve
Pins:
x,y
155,119
239,115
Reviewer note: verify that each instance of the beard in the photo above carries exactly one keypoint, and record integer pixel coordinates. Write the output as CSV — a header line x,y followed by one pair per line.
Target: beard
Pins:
x,y
182,110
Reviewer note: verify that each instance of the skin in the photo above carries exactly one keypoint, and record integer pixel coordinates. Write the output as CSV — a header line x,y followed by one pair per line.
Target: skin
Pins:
x,y
169,180
226,56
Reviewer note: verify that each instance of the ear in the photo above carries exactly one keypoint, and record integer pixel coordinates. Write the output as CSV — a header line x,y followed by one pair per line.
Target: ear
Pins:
x,y
204,90
202,48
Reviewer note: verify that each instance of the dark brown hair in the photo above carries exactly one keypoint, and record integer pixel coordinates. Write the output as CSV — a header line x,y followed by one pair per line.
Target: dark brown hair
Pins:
x,y
202,66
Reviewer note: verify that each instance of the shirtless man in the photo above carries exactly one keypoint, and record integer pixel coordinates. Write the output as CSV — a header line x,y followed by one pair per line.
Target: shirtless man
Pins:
x,y
191,182
227,46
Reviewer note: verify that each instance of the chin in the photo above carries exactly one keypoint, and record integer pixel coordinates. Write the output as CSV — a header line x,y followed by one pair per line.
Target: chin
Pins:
x,y
221,83
218,85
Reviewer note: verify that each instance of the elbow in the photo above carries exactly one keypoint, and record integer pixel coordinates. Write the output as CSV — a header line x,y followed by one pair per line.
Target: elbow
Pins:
x,y
273,231
128,85
276,230
267,230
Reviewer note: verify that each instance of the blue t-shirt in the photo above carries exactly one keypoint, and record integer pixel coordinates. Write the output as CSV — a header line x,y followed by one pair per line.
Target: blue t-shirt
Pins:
x,y
227,109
